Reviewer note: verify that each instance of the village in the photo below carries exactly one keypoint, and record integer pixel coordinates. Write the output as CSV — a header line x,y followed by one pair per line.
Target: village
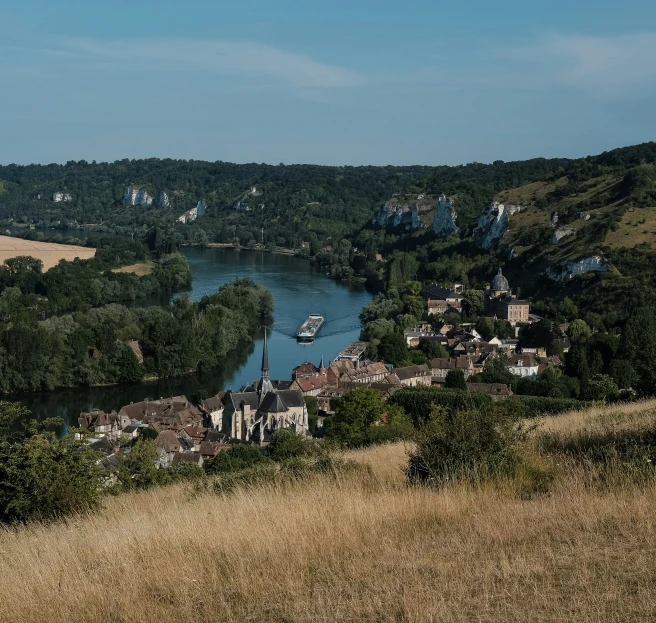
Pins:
x,y
186,433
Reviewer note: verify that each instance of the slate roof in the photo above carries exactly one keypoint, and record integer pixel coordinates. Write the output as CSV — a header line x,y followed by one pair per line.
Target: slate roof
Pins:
x,y
212,404
492,389
411,372
272,403
168,440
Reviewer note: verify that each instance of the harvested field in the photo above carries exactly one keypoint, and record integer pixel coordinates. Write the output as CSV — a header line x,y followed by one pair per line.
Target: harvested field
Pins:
x,y
48,252
140,268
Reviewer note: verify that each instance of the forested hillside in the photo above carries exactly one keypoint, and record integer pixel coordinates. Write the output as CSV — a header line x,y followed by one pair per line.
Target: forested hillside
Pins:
x,y
604,204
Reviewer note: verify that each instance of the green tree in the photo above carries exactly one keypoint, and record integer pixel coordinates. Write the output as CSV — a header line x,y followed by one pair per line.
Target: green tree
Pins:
x,y
495,370
455,379
485,327
356,412
287,444
432,349
638,346
392,349
579,329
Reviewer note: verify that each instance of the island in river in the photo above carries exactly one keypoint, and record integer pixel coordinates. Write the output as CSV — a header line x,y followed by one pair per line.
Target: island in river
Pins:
x,y
299,288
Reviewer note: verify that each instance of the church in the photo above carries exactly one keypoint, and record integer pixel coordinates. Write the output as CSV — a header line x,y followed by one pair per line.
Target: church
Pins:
x,y
502,304
256,413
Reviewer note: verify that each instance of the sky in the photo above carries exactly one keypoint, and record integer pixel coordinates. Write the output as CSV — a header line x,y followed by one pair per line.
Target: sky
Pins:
x,y
342,82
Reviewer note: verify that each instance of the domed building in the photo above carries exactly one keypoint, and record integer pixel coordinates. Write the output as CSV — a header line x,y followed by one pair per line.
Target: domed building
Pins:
x,y
502,304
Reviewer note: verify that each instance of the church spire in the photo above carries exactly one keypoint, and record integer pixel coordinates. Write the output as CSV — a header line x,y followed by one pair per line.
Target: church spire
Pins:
x,y
321,366
265,385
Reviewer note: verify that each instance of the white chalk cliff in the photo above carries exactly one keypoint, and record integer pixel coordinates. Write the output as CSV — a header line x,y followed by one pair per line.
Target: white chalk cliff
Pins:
x,y
569,270
444,219
492,225
163,200
136,197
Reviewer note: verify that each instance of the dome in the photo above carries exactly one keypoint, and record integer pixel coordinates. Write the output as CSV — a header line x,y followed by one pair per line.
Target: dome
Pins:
x,y
500,283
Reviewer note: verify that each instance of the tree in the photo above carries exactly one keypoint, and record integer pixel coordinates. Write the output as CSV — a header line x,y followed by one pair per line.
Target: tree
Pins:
x,y
496,370
622,373
43,477
576,363
312,405
578,330
455,379
474,302
287,444
485,327
568,309
432,349
357,410
638,346
392,349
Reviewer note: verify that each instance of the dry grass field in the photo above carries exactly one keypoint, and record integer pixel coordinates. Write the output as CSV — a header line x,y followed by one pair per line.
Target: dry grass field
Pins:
x,y
354,547
48,252
140,268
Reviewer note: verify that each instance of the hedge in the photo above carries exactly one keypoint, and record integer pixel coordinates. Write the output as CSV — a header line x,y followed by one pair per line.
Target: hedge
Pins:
x,y
417,402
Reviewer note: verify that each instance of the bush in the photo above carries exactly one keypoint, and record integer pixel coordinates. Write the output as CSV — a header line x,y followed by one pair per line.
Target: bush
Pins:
x,y
287,444
239,457
536,406
417,402
475,444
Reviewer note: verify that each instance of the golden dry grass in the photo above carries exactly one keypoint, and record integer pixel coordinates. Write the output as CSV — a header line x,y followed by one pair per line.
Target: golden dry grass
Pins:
x,y
349,548
636,227
140,268
48,252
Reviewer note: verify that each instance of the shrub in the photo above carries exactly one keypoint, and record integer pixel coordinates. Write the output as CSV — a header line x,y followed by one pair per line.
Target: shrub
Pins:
x,y
464,444
287,444
417,402
239,457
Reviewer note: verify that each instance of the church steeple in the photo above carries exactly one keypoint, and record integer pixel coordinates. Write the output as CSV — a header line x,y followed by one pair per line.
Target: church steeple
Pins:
x,y
265,385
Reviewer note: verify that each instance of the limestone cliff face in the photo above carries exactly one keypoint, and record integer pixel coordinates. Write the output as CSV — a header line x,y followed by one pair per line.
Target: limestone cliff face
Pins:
x,y
163,200
59,196
194,213
492,225
136,197
444,219
391,215
561,233
569,270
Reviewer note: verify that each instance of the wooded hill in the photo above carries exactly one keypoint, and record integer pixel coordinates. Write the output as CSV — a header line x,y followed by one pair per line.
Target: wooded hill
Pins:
x,y
323,205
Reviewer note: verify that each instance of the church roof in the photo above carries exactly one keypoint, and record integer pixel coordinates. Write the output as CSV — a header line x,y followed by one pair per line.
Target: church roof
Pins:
x,y
499,283
272,403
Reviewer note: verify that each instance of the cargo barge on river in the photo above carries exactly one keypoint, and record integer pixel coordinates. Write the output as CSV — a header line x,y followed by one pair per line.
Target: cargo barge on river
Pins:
x,y
310,327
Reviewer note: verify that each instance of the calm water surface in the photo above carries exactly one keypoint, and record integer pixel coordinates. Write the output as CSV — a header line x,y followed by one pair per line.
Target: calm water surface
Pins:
x,y
298,288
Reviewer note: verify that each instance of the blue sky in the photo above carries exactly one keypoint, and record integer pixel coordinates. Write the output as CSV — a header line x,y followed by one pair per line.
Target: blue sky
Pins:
x,y
359,82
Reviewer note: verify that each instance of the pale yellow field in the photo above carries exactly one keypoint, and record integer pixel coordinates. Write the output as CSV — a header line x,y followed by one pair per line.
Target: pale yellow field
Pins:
x,y
48,252
140,268
347,548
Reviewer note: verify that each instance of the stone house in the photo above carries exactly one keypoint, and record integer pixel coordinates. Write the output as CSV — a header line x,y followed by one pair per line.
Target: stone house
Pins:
x,y
167,444
324,398
187,458
411,376
167,413
441,367
524,365
213,409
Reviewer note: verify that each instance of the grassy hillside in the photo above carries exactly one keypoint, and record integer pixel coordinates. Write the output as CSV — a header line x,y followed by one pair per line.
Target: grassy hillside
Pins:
x,y
362,546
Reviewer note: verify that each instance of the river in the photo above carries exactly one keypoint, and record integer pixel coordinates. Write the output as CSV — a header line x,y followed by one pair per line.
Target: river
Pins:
x,y
299,289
